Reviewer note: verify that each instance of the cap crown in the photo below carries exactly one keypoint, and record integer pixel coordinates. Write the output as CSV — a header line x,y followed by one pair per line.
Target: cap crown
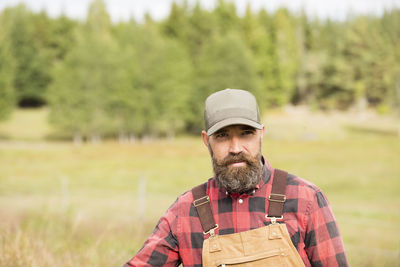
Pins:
x,y
229,107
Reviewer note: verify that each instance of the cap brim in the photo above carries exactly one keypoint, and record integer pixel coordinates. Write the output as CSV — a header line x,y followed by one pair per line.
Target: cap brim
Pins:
x,y
233,121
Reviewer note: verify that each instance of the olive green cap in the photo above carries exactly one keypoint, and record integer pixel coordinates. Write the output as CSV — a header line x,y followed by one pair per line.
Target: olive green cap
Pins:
x,y
229,107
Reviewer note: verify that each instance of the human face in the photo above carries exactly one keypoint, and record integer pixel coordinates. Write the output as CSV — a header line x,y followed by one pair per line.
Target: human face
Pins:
x,y
236,157
234,139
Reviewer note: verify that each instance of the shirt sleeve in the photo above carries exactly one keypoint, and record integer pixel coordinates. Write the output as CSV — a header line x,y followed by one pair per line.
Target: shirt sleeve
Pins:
x,y
161,248
323,242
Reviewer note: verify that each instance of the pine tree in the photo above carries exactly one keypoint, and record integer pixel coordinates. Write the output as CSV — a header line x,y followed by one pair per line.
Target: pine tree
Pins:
x,y
226,17
84,81
226,62
390,30
7,97
311,60
268,67
125,104
62,37
287,53
175,26
31,65
201,27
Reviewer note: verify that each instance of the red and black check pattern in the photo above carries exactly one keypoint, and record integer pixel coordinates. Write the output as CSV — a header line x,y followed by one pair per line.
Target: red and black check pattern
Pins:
x,y
178,237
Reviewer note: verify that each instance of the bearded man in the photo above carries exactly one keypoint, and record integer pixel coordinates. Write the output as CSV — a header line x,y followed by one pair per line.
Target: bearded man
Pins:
x,y
249,213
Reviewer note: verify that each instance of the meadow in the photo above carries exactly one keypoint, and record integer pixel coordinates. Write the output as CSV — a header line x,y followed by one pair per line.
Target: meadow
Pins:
x,y
94,204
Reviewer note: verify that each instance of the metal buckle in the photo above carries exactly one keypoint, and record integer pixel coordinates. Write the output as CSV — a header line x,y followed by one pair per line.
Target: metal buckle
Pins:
x,y
273,219
277,200
202,200
211,231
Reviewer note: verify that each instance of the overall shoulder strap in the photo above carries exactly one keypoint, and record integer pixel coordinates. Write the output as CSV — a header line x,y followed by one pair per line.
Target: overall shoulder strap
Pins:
x,y
202,204
277,197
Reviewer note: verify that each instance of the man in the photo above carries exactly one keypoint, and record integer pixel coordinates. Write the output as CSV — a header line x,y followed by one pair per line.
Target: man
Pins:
x,y
249,212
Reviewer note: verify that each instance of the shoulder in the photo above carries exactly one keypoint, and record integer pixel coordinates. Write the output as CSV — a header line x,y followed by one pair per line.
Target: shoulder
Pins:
x,y
303,199
305,191
295,183
296,186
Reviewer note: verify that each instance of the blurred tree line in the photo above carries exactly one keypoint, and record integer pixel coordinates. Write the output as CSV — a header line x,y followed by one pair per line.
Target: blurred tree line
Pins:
x,y
135,80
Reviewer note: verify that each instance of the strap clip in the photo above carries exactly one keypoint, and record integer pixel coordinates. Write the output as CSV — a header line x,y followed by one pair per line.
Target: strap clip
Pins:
x,y
211,231
273,219
281,198
201,201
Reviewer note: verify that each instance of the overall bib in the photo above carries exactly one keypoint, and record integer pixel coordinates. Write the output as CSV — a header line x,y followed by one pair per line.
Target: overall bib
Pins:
x,y
265,246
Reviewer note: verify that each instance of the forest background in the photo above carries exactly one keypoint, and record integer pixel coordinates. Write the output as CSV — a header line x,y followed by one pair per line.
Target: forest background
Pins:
x,y
138,80
329,92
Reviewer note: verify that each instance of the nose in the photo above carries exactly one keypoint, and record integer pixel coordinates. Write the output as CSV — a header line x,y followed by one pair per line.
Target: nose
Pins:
x,y
235,146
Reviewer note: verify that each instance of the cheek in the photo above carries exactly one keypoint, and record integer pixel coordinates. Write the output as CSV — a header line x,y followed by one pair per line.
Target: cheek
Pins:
x,y
253,148
220,151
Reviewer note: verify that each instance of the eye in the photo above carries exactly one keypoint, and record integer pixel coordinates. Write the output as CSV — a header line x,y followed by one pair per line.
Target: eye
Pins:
x,y
221,135
248,132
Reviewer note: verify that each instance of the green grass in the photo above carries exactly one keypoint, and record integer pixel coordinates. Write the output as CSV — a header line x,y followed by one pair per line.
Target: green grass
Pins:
x,y
26,124
67,205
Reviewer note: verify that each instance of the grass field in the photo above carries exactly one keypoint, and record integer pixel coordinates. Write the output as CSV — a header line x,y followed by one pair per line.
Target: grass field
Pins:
x,y
67,205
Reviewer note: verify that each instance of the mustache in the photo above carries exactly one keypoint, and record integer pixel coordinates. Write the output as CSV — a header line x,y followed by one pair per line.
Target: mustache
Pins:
x,y
234,158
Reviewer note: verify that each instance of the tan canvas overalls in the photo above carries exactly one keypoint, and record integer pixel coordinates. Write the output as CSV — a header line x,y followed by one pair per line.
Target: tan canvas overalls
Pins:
x,y
266,246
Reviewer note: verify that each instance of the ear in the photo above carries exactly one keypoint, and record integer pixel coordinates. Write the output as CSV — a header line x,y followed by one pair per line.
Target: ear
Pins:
x,y
205,138
263,130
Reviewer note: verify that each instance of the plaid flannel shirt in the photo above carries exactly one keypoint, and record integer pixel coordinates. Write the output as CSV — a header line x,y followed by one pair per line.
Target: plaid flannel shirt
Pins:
x,y
178,236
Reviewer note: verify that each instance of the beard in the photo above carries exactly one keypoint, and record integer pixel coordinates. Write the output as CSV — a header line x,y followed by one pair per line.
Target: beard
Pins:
x,y
237,179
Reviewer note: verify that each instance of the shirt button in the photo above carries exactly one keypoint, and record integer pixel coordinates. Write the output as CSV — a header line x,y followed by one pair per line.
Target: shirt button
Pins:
x,y
240,200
